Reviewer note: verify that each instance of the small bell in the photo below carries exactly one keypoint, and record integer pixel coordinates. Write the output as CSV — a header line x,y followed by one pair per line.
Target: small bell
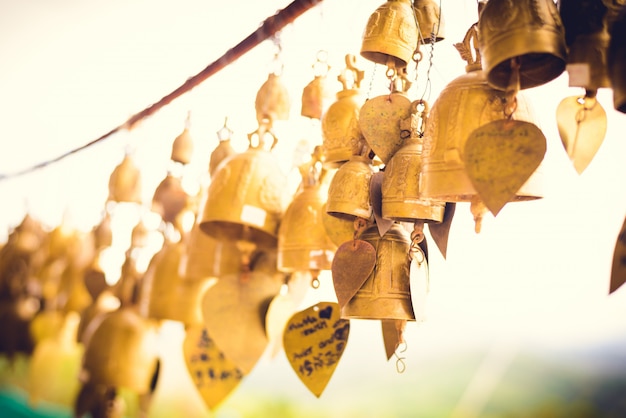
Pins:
x,y
616,60
386,293
340,123
223,150
303,243
272,100
401,196
349,190
429,20
182,148
315,95
587,39
391,34
169,198
125,182
246,198
530,31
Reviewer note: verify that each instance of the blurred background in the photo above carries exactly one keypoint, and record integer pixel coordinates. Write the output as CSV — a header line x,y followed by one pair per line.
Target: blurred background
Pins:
x,y
519,323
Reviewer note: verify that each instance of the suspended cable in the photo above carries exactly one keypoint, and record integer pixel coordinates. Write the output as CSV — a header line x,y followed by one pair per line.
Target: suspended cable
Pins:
x,y
267,29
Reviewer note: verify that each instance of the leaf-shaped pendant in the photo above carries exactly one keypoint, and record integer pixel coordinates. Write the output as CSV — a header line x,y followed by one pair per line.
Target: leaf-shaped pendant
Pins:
x,y
314,341
354,261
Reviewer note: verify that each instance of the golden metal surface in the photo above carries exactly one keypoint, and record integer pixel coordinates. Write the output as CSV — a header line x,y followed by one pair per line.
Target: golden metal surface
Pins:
x,y
182,148
430,21
207,257
528,30
393,334
169,198
125,182
391,34
386,293
353,263
272,100
314,341
616,60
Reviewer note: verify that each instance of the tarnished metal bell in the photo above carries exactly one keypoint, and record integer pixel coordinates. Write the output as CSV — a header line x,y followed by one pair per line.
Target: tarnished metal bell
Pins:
x,y
340,123
391,34
429,20
465,104
272,100
247,197
530,31
386,293
401,197
587,39
120,351
303,243
125,182
169,198
616,60
349,190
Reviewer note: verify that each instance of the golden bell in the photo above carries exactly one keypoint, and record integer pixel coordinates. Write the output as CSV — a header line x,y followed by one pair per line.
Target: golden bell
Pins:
x,y
246,198
182,148
125,182
429,20
391,34
224,148
386,293
303,243
528,30
402,200
616,60
349,190
169,198
207,257
120,351
272,100
340,123
466,103
587,39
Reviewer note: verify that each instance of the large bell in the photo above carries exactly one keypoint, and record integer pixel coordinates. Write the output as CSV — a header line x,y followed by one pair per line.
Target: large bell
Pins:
x,y
391,34
616,61
246,198
587,39
349,190
386,293
401,197
120,351
466,103
340,122
303,243
530,31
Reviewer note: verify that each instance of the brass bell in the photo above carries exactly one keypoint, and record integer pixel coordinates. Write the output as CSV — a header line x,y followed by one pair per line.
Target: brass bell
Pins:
x,y
246,198
223,150
391,34
530,31
120,351
401,197
466,103
207,257
169,198
316,94
182,148
386,292
303,243
587,39
272,100
616,60
125,182
349,190
429,20
340,123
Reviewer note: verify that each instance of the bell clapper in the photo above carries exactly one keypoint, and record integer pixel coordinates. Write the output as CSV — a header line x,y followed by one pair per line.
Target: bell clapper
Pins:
x,y
417,236
478,209
315,281
510,97
246,248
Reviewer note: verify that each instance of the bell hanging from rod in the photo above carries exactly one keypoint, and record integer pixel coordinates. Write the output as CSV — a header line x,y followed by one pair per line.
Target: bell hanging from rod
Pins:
x,y
529,31
391,34
303,244
272,99
315,95
466,103
430,21
340,122
247,196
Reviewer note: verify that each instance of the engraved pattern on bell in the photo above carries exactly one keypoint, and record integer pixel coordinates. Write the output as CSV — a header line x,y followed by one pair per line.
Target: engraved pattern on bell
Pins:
x,y
390,35
529,30
386,293
348,193
340,126
429,20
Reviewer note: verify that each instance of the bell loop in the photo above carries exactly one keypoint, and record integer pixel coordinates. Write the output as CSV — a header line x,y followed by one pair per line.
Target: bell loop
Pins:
x,y
360,225
261,135
315,280
400,364
351,76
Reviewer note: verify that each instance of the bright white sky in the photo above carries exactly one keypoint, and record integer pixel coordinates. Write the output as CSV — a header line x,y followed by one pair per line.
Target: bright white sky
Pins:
x,y
72,70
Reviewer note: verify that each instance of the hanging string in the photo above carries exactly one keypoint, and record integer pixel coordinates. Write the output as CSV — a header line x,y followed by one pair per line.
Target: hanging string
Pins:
x,y
267,29
433,38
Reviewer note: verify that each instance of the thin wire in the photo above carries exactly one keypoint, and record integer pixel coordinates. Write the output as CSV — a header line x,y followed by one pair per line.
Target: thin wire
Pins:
x,y
268,28
433,37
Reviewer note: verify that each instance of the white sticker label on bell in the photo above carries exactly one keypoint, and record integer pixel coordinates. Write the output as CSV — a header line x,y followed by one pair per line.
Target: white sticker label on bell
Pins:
x,y
578,74
253,215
